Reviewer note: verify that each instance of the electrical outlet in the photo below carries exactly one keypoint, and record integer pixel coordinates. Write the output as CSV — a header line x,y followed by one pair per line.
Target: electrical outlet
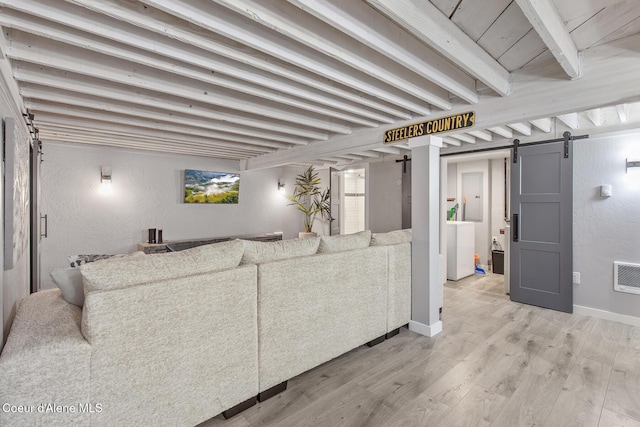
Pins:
x,y
576,278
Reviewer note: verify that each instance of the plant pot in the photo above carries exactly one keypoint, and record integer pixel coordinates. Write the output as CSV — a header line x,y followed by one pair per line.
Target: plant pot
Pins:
x,y
307,235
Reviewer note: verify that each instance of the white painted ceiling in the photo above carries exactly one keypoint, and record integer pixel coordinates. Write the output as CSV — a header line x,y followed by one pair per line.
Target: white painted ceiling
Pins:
x,y
272,79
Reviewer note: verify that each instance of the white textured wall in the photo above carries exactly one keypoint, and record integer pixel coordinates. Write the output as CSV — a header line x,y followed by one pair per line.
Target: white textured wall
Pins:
x,y
483,239
497,186
605,229
452,190
14,283
147,193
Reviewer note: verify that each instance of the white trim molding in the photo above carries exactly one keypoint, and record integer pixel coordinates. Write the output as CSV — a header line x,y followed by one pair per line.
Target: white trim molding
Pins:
x,y
607,315
426,330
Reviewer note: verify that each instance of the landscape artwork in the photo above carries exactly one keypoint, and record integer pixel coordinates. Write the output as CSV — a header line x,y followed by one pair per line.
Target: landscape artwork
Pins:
x,y
210,187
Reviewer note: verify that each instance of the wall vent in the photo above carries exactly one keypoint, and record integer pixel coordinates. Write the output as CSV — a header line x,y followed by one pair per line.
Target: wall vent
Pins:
x,y
626,277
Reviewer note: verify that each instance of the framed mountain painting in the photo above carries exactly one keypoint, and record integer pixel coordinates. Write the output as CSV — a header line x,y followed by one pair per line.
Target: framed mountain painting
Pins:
x,y
210,187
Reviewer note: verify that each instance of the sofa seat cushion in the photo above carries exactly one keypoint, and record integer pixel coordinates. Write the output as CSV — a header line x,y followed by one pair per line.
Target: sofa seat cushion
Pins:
x,y
344,242
256,252
391,238
121,273
45,360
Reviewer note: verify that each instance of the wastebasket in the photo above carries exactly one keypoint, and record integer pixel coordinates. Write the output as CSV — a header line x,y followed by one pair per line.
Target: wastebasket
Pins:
x,y
497,261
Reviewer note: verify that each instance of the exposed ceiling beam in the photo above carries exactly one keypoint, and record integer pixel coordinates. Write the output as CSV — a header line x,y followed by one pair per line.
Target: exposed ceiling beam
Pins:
x,y
612,79
334,160
87,127
464,138
502,131
228,24
523,128
451,141
50,83
428,24
131,25
351,157
67,101
40,107
388,150
543,124
480,134
262,85
136,142
145,147
6,74
595,116
364,24
370,154
623,112
545,19
569,119
53,54
303,28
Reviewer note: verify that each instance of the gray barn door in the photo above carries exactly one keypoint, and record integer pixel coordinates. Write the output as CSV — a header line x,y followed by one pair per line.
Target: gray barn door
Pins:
x,y
542,226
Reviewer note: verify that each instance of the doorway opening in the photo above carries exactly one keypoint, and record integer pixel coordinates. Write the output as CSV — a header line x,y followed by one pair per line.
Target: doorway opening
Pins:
x,y
476,199
348,201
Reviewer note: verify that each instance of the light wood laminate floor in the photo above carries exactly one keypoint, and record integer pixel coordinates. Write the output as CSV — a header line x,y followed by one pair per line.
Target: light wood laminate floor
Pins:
x,y
496,363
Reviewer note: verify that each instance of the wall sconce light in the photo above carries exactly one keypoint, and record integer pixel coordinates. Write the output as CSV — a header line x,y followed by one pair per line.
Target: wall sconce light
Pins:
x,y
280,186
105,174
633,164
105,179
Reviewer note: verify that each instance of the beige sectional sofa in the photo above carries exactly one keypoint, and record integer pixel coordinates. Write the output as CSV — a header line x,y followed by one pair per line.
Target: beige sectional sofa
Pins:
x,y
177,338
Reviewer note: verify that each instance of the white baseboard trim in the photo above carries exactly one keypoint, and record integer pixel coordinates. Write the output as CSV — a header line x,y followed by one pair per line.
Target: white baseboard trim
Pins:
x,y
607,315
426,330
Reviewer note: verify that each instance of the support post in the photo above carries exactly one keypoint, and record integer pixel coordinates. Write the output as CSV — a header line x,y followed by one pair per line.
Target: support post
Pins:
x,y
425,224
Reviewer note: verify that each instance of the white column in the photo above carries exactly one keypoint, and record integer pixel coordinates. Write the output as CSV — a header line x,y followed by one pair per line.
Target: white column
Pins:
x,y
425,224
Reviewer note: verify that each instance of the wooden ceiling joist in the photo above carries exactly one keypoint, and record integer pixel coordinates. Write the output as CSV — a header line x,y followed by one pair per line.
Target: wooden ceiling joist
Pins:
x,y
367,26
230,25
428,24
544,17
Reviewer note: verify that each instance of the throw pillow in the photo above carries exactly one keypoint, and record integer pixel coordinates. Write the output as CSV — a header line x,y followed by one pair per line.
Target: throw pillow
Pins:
x,y
69,280
78,260
344,242
256,252
391,238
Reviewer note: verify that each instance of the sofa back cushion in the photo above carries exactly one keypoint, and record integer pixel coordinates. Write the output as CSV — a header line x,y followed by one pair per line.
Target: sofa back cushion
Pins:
x,y
391,238
69,280
344,242
122,273
256,252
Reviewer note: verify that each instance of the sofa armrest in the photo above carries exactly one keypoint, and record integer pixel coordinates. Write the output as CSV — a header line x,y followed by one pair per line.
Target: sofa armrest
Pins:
x,y
46,361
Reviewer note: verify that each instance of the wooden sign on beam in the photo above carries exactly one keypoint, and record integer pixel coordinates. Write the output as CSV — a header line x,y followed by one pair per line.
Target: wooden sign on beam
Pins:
x,y
443,124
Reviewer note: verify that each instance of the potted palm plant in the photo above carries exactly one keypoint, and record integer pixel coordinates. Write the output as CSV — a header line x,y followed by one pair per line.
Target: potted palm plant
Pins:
x,y
309,200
